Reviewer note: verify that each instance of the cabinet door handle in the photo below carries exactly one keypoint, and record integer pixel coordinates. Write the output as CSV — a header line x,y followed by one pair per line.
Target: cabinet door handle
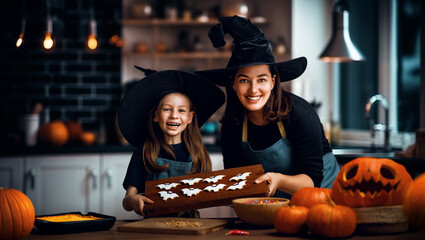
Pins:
x,y
93,174
31,175
109,174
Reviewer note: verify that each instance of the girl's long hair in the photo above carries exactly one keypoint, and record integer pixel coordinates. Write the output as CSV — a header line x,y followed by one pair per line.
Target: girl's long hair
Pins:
x,y
277,107
191,137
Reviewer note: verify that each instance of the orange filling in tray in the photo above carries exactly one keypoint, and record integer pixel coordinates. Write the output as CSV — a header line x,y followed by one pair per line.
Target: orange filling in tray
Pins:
x,y
68,218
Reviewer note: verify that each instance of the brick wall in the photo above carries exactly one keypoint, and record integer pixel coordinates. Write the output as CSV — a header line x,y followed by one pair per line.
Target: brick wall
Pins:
x,y
69,80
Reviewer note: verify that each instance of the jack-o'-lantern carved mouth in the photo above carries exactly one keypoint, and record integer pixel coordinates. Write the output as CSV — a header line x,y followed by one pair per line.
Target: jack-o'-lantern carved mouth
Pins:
x,y
385,180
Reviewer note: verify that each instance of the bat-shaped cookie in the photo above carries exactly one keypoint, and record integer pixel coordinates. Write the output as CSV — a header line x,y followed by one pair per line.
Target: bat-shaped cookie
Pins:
x,y
214,187
240,176
214,179
167,195
167,186
191,181
191,191
238,185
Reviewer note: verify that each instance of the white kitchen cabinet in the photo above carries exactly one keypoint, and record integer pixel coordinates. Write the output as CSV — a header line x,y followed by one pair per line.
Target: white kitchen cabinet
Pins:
x,y
113,170
11,172
63,183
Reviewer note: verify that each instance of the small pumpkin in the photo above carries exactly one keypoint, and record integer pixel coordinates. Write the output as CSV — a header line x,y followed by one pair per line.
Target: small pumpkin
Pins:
x,y
17,214
368,182
87,138
414,203
310,196
54,133
291,219
331,220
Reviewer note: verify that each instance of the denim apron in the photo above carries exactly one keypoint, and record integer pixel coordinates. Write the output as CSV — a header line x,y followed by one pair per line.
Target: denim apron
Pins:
x,y
278,158
175,169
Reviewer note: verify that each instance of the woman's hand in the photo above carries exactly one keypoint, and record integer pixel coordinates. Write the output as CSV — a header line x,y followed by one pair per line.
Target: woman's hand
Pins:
x,y
134,201
285,183
272,181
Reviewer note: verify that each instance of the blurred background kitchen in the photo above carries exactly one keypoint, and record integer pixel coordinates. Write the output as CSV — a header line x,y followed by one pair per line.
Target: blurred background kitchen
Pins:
x,y
67,63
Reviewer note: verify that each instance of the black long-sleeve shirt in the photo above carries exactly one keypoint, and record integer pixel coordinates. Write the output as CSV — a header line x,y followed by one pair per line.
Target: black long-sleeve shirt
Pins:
x,y
303,129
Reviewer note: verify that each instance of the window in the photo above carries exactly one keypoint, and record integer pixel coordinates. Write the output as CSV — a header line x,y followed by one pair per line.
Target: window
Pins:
x,y
388,34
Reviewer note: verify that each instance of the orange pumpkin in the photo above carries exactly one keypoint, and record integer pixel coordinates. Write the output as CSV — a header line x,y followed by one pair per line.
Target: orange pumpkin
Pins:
x,y
414,203
17,214
54,133
74,130
368,182
310,196
87,138
291,219
331,220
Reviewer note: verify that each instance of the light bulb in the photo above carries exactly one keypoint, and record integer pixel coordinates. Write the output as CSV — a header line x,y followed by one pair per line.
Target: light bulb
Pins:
x,y
20,40
48,41
92,42
92,38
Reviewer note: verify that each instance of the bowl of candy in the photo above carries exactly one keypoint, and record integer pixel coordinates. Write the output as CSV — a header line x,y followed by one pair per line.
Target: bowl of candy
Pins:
x,y
258,210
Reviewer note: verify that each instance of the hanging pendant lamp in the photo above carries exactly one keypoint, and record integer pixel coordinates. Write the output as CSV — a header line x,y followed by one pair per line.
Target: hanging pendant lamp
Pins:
x,y
340,47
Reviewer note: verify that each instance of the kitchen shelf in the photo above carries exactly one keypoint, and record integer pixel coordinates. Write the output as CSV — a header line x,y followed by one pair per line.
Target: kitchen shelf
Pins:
x,y
185,55
178,22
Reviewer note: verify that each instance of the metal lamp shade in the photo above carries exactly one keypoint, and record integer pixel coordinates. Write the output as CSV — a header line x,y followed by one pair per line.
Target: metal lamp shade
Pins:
x,y
340,48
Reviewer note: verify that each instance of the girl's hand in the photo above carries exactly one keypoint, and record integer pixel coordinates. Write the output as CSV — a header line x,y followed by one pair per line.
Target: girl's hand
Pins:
x,y
134,201
272,179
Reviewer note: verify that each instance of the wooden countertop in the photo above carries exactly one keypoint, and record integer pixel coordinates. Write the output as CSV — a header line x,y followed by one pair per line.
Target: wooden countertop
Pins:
x,y
255,233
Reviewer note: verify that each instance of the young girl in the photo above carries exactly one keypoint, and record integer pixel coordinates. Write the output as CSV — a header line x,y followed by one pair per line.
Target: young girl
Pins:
x,y
161,116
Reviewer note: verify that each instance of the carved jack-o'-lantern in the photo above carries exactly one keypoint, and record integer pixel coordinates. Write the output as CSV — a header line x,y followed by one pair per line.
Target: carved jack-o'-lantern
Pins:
x,y
367,182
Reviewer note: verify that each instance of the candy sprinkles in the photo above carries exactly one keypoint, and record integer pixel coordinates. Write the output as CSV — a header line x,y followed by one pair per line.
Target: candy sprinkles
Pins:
x,y
263,201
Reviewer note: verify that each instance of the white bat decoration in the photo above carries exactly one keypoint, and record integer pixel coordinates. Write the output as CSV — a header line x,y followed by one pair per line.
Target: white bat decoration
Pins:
x,y
191,181
214,179
167,195
191,191
167,186
240,176
238,185
214,187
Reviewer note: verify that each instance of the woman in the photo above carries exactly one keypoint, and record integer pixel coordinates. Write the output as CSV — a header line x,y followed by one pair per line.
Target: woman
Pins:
x,y
262,122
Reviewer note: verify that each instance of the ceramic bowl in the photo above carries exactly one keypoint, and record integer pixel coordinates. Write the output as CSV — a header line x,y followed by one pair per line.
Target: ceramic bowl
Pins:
x,y
258,210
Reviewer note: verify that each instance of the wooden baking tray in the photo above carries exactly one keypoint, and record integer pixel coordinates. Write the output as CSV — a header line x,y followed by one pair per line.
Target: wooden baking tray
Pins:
x,y
204,199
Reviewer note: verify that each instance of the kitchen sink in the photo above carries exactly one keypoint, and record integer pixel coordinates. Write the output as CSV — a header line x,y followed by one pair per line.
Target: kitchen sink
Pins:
x,y
362,151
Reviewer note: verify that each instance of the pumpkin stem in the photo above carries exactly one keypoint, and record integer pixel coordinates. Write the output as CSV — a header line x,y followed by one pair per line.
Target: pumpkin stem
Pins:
x,y
330,201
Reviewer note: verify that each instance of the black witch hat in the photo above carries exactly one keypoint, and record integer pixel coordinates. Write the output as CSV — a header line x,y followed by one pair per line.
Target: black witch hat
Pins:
x,y
137,104
251,48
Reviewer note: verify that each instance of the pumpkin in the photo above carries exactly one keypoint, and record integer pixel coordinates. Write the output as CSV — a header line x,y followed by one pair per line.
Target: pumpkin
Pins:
x,y
331,220
54,133
310,196
74,130
17,214
291,219
414,203
368,182
87,138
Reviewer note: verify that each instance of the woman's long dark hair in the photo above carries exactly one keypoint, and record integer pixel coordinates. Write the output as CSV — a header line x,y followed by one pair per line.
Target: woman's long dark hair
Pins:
x,y
191,137
277,107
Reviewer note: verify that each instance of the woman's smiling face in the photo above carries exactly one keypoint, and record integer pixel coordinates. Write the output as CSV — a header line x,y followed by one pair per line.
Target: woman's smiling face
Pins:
x,y
253,86
173,115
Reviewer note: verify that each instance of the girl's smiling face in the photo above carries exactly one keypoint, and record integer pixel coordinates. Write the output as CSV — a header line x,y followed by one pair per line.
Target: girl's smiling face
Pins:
x,y
173,115
253,86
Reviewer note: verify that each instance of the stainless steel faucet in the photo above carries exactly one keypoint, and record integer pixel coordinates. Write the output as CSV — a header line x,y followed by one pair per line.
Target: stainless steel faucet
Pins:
x,y
378,126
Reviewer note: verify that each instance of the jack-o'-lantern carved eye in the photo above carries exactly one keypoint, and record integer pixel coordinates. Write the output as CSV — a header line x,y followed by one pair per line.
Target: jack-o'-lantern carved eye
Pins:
x,y
388,172
351,172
